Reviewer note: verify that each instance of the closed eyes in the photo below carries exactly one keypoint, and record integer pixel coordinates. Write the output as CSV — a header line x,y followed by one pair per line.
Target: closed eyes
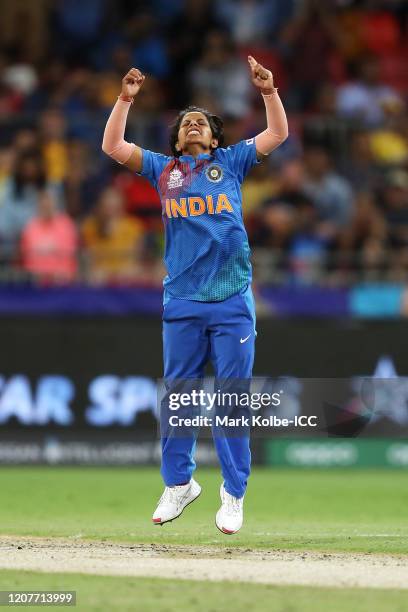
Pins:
x,y
200,122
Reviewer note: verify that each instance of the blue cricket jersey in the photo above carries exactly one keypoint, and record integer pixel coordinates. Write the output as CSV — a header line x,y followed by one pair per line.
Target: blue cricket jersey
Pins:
x,y
207,254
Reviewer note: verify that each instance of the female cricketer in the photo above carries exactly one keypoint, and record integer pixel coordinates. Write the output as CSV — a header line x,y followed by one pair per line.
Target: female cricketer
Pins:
x,y
208,309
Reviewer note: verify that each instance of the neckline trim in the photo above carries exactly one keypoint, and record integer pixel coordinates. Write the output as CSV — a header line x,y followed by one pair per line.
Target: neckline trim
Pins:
x,y
192,158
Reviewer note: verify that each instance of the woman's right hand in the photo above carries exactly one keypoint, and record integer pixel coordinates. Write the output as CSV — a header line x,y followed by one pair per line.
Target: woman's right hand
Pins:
x,y
131,83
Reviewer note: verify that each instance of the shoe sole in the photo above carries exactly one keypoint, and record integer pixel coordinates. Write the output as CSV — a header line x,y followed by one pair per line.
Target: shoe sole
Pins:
x,y
225,531
176,517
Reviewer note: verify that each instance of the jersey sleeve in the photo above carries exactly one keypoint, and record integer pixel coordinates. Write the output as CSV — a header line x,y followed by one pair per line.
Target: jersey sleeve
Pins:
x,y
240,157
153,165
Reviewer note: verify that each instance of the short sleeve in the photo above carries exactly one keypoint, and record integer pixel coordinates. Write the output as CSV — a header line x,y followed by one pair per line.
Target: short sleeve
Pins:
x,y
239,158
153,165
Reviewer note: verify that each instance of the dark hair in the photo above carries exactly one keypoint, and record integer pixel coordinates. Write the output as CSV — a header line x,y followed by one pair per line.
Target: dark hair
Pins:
x,y
216,125
20,181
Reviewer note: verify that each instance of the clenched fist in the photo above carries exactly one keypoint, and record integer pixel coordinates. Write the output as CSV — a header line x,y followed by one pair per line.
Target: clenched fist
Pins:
x,y
261,77
131,83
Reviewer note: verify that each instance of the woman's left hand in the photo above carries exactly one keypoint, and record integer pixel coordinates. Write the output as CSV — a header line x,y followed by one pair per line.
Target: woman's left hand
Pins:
x,y
261,77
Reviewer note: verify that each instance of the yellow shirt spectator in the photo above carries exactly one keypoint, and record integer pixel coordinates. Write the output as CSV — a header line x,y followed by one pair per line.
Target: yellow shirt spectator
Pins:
x,y
112,240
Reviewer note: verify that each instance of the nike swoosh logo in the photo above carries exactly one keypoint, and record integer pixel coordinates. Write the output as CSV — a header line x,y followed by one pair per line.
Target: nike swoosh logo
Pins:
x,y
242,340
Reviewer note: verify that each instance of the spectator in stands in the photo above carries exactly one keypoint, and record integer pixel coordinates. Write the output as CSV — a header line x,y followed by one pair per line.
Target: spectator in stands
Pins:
x,y
365,98
148,47
20,198
395,201
23,27
11,100
6,168
83,181
49,243
51,87
364,241
358,165
113,241
331,193
282,187
389,143
77,27
291,178
21,77
221,76
54,146
251,21
259,186
79,99
287,225
277,225
114,64
26,139
308,250
308,44
185,41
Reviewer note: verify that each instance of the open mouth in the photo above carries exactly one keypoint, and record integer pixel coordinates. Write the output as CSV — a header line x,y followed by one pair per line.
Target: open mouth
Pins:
x,y
194,132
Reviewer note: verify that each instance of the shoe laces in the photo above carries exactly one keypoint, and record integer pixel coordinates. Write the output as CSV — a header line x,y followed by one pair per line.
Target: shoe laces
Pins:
x,y
171,495
233,504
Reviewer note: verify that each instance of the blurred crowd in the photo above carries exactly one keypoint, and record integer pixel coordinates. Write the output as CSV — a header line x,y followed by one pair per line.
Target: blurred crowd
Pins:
x,y
330,204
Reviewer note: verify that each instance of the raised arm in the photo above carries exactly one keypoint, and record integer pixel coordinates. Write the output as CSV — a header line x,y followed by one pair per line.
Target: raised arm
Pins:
x,y
114,144
277,125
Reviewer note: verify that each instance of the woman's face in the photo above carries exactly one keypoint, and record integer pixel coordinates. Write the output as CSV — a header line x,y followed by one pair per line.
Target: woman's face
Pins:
x,y
46,205
195,130
30,170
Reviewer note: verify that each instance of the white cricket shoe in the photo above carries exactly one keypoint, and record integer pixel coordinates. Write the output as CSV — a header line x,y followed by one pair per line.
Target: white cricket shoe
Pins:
x,y
230,516
174,500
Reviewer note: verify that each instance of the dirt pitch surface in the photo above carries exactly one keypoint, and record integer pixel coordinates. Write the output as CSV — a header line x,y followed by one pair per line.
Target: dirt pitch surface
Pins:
x,y
204,563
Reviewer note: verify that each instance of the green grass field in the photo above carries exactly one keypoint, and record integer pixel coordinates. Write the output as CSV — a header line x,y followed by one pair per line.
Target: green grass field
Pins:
x,y
322,510
333,510
157,595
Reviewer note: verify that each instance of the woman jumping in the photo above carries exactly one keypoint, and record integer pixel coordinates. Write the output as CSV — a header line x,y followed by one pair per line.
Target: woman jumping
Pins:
x,y
208,304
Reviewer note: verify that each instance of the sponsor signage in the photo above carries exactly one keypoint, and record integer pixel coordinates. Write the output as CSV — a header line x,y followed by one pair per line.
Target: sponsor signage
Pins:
x,y
332,453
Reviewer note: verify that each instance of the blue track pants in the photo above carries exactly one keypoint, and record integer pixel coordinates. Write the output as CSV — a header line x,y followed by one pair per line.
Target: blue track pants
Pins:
x,y
194,333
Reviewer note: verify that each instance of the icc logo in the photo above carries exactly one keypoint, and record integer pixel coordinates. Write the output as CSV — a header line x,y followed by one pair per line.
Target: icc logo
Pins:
x,y
175,179
214,173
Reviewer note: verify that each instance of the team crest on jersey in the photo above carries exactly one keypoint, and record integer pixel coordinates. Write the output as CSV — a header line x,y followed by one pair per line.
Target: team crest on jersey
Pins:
x,y
175,179
214,173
